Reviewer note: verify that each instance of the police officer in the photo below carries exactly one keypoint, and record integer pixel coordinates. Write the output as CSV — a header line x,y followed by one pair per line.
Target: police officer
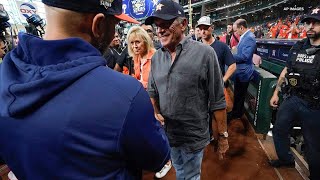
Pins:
x,y
300,82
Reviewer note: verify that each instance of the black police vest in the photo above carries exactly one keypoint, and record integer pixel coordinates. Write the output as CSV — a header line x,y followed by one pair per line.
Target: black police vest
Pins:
x,y
303,77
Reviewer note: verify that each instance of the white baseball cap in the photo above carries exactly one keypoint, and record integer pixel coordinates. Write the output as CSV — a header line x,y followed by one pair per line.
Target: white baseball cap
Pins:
x,y
204,20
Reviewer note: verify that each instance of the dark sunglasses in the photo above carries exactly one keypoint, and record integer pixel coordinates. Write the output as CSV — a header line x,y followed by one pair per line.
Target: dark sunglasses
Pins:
x,y
166,24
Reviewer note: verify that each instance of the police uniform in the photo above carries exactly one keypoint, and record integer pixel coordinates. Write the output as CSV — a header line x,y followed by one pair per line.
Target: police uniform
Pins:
x,y
304,73
301,103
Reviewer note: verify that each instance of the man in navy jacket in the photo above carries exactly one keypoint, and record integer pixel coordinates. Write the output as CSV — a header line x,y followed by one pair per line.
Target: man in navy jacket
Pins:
x,y
243,57
64,115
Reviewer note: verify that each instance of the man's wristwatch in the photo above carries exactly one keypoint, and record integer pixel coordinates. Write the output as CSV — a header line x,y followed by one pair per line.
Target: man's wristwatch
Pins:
x,y
224,134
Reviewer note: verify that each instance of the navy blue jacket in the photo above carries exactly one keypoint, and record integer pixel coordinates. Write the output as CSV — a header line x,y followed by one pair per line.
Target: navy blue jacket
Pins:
x,y
64,115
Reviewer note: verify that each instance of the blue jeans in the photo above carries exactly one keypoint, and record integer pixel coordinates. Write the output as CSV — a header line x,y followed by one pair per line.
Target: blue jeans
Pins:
x,y
187,165
292,109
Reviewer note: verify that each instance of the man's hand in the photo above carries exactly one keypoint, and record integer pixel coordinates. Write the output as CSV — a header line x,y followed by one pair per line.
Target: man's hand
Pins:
x,y
274,101
160,118
223,146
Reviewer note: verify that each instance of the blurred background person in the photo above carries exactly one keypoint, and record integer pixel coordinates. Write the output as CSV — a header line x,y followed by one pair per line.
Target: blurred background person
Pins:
x,y
197,35
140,48
283,32
231,38
150,31
302,32
191,32
113,53
259,33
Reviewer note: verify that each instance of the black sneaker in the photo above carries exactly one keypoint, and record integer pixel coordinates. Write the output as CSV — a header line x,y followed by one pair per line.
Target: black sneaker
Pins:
x,y
278,163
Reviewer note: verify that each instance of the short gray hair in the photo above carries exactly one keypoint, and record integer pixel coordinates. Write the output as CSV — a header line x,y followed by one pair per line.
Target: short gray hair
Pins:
x,y
180,19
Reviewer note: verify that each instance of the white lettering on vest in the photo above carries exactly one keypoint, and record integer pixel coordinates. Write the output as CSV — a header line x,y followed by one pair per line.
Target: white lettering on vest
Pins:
x,y
305,58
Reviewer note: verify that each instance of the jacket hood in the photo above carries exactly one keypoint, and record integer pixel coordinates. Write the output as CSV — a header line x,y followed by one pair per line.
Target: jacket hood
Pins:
x,y
37,70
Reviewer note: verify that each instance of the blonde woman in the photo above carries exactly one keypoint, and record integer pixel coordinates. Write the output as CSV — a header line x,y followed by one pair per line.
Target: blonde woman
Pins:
x,y
140,47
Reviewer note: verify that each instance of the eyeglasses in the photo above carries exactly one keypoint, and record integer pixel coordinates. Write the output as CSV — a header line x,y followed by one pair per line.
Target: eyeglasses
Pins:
x,y
166,24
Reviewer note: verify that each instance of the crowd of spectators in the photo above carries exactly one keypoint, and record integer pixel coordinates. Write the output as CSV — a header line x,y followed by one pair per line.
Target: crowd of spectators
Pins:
x,y
288,28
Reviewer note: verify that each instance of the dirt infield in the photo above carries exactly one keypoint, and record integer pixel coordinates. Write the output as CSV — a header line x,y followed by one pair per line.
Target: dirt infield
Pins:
x,y
244,160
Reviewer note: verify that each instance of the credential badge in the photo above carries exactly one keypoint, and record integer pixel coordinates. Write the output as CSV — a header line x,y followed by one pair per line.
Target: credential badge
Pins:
x,y
293,81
